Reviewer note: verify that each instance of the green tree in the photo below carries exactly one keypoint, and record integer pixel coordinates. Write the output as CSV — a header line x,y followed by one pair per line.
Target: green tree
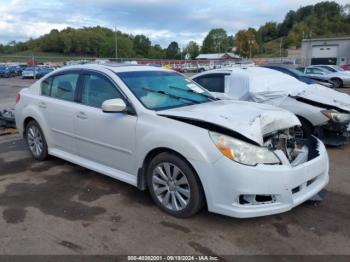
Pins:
x,y
192,49
142,45
172,51
246,43
216,41
156,52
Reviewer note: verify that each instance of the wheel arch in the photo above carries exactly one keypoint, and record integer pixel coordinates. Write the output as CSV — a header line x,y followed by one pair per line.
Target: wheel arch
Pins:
x,y
141,175
338,79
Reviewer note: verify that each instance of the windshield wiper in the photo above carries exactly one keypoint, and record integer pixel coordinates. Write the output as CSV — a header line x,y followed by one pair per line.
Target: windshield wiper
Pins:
x,y
194,92
171,95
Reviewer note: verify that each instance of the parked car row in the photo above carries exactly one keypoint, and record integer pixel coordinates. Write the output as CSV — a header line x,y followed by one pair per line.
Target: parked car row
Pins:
x,y
8,70
243,150
36,72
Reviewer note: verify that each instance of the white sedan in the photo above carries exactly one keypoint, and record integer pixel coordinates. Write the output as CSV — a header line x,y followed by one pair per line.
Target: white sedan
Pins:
x,y
154,128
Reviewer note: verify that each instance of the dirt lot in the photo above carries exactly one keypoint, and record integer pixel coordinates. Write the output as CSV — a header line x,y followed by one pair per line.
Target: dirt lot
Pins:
x,y
55,207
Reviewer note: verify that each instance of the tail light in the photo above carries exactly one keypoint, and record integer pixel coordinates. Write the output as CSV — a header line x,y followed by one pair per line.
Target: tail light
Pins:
x,y
18,97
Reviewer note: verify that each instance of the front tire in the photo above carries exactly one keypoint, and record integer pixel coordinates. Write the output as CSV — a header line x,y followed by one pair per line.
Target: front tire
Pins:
x,y
36,141
337,83
174,186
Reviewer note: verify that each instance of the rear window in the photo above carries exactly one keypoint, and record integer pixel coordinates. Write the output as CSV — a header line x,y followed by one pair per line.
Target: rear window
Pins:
x,y
212,82
63,86
46,86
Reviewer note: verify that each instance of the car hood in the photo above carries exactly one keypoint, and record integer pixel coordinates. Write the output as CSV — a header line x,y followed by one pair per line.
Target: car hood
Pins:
x,y
250,120
327,96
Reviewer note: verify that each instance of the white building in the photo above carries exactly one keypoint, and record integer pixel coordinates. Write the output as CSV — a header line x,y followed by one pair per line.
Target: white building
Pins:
x,y
334,51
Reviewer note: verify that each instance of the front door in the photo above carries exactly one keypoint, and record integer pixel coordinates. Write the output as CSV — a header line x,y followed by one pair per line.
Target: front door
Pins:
x,y
106,138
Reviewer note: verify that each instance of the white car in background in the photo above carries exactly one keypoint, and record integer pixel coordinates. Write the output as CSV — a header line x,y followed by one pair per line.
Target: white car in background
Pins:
x,y
322,111
339,79
154,128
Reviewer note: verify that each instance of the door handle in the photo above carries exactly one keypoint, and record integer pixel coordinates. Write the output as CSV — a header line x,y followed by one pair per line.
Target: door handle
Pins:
x,y
42,104
81,115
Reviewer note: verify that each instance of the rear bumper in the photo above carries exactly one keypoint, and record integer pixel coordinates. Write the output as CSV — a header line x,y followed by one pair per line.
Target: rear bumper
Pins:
x,y
226,183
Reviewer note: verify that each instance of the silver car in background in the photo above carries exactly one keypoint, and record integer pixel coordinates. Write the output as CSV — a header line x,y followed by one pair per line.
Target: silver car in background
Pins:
x,y
338,78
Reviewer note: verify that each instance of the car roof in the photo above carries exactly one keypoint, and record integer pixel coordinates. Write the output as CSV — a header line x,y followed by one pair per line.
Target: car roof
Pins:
x,y
118,68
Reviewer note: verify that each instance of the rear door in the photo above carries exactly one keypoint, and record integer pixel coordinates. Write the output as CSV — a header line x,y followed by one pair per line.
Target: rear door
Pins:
x,y
58,107
106,138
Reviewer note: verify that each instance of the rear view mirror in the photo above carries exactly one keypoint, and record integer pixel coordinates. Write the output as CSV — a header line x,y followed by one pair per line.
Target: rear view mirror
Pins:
x,y
114,106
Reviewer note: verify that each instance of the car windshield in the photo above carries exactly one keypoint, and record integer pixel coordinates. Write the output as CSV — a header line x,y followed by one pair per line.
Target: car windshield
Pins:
x,y
158,90
338,68
297,72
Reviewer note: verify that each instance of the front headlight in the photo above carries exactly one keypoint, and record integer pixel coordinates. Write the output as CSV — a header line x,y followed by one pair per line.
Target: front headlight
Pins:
x,y
243,152
336,116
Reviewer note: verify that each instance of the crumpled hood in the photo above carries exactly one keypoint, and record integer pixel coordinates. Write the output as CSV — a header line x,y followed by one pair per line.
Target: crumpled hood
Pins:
x,y
251,120
324,95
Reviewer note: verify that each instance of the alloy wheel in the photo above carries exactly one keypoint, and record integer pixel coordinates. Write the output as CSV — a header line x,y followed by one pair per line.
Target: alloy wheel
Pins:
x,y
35,140
171,186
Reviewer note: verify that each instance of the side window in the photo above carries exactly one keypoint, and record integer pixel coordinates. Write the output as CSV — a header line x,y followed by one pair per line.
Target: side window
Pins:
x,y
63,86
46,86
213,83
309,71
97,89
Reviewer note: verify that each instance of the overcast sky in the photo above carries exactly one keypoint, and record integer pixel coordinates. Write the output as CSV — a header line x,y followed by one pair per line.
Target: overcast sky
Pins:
x,y
161,20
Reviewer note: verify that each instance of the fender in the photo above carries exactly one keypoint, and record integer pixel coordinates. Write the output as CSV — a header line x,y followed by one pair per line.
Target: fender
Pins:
x,y
202,149
32,111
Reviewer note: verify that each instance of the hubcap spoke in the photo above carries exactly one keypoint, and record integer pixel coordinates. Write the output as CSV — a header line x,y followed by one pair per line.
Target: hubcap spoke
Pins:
x,y
184,192
160,171
167,170
160,190
176,172
181,181
174,204
158,180
180,199
166,198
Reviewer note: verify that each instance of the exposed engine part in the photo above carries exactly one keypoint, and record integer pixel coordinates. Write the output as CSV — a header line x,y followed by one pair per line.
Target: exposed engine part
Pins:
x,y
291,143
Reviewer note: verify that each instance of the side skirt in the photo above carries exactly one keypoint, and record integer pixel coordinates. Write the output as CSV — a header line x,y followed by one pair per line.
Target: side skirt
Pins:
x,y
103,169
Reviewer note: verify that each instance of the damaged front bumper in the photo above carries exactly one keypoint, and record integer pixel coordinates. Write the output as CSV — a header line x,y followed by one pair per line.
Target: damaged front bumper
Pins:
x,y
334,134
241,191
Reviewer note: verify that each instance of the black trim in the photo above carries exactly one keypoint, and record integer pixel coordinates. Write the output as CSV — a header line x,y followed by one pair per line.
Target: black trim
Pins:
x,y
318,104
141,179
212,127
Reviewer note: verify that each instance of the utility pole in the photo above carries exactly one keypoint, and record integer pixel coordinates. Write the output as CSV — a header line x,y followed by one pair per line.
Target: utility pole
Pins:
x,y
250,48
116,43
33,63
281,48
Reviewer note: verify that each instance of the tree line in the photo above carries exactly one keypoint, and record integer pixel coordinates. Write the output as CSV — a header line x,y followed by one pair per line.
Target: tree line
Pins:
x,y
322,19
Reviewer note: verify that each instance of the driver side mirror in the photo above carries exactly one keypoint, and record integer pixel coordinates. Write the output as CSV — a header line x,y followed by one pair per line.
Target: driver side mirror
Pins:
x,y
114,106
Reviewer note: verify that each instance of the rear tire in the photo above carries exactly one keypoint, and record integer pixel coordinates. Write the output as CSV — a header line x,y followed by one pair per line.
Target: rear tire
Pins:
x,y
174,186
36,141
